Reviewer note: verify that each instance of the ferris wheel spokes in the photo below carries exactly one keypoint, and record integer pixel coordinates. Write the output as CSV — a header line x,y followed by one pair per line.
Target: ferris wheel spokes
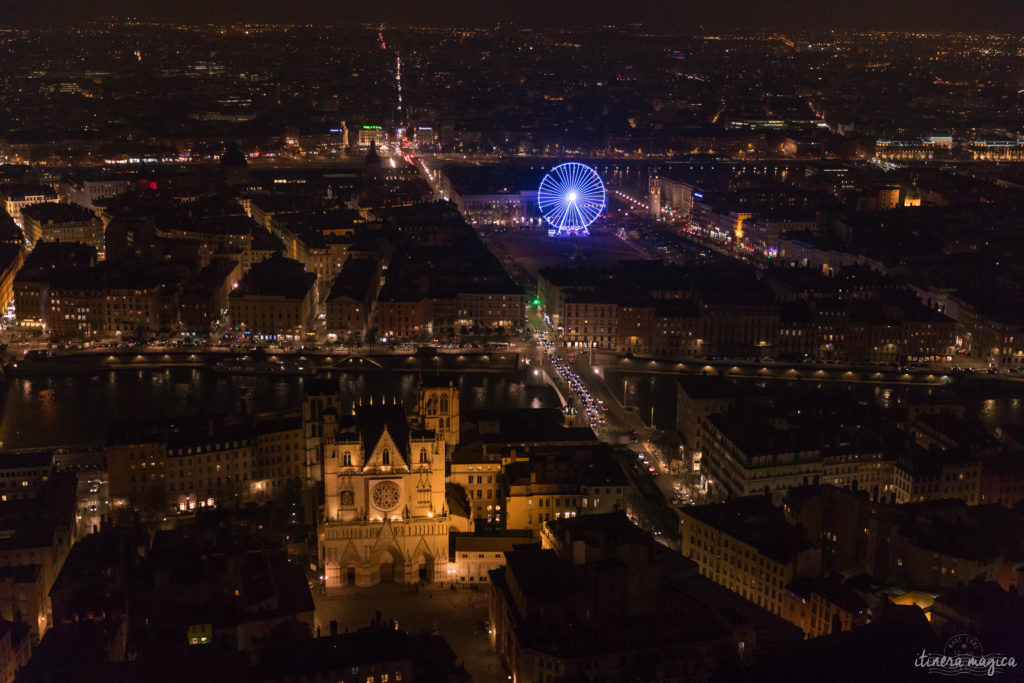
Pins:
x,y
571,197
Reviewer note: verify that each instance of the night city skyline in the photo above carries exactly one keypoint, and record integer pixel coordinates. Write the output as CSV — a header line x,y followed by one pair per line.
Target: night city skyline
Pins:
x,y
1000,16
541,342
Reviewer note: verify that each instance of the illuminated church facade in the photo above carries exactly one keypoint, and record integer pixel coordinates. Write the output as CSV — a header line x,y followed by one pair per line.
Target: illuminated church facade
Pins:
x,y
385,517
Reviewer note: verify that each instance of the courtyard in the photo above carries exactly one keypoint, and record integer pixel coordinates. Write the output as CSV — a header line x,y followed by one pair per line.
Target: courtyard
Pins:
x,y
460,617
534,249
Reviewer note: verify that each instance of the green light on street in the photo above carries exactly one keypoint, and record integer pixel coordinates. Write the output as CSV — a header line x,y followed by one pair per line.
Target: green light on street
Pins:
x,y
536,302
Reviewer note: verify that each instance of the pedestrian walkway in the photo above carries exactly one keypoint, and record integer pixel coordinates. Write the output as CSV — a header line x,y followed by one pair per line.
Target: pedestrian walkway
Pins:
x,y
460,616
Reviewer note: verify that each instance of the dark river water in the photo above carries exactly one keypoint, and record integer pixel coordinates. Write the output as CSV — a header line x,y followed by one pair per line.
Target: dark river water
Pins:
x,y
995,403
77,409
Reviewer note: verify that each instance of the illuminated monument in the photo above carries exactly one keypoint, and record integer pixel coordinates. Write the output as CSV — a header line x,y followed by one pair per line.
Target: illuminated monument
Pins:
x,y
385,516
571,197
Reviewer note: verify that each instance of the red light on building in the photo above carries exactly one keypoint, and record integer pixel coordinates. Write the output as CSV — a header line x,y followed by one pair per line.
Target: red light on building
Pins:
x,y
152,184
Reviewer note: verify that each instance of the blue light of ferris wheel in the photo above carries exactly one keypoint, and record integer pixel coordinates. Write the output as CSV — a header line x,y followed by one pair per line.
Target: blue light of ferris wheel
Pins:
x,y
571,197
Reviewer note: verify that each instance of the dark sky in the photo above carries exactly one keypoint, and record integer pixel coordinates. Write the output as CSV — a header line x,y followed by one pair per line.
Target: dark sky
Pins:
x,y
924,15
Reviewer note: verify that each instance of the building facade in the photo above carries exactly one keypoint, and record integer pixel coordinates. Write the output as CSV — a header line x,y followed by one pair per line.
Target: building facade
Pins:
x,y
385,516
275,299
197,462
62,223
17,197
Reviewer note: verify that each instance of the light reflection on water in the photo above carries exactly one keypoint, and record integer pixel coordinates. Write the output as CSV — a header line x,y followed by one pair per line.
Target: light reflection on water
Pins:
x,y
994,404
78,409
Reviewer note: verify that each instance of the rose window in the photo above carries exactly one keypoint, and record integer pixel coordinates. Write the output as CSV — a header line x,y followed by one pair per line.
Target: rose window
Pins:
x,y
386,495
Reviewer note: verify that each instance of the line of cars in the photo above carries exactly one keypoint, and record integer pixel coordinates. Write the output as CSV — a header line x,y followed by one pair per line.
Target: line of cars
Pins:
x,y
648,464
594,407
680,495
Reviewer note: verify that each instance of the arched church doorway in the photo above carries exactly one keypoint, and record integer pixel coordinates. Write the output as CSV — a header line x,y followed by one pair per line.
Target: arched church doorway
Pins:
x,y
425,568
391,565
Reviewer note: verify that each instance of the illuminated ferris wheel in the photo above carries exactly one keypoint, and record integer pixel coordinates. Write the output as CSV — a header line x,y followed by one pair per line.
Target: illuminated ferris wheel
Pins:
x,y
571,197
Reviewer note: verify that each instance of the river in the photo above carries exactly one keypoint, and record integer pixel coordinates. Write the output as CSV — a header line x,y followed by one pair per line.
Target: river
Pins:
x,y
995,403
61,410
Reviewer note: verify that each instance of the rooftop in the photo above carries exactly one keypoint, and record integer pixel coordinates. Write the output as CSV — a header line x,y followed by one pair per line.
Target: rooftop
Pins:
x,y
52,212
357,279
490,542
52,259
277,276
832,591
20,459
566,465
20,191
755,521
372,420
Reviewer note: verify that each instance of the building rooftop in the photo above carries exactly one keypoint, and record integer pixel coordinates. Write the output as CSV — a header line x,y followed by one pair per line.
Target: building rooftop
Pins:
x,y
277,276
230,224
955,430
357,279
21,459
921,462
215,272
661,602
489,542
190,431
264,240
332,220
20,191
379,646
52,212
55,259
875,652
32,522
565,465
270,423
10,233
604,531
950,527
371,420
515,426
834,592
755,521
493,179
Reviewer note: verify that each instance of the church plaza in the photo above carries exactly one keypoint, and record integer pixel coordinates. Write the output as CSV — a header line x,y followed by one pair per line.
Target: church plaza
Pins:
x,y
460,617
